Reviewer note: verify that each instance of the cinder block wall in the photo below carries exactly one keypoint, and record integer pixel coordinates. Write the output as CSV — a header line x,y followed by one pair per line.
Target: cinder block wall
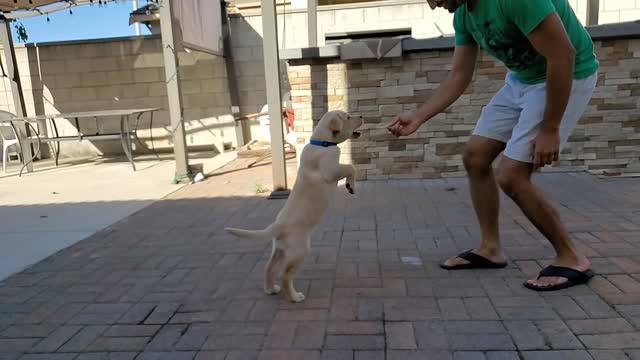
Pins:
x,y
123,73
608,136
128,73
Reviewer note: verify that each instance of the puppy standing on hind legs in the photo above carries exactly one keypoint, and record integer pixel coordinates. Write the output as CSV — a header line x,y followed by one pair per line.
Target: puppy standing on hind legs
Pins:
x,y
318,176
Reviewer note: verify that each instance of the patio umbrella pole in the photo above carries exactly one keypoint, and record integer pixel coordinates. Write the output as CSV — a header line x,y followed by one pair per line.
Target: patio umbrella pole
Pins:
x,y
16,88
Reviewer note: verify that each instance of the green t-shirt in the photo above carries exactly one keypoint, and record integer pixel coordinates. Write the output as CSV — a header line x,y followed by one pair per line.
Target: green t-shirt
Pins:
x,y
500,27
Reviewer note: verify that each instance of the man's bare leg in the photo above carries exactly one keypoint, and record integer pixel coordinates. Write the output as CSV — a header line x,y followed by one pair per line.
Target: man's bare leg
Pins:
x,y
479,155
514,177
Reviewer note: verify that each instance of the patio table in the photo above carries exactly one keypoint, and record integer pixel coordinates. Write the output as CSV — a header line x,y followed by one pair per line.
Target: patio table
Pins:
x,y
126,133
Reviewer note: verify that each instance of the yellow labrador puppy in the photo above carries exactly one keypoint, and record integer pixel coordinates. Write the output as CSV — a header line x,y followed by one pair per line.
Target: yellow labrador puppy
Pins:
x,y
318,175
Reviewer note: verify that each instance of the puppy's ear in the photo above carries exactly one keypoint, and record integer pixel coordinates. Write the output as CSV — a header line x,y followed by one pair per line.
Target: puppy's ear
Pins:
x,y
335,125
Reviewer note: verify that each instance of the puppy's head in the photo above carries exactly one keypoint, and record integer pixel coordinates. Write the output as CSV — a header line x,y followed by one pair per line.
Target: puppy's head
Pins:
x,y
338,126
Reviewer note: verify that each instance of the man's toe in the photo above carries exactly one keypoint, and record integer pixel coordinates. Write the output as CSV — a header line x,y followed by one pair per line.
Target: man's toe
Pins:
x,y
456,261
548,281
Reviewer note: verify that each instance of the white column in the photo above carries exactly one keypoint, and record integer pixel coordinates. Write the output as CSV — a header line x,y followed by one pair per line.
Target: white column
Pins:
x,y
274,97
173,91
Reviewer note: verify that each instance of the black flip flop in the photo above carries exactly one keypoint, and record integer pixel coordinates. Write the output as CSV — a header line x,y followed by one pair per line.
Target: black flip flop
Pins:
x,y
574,277
475,261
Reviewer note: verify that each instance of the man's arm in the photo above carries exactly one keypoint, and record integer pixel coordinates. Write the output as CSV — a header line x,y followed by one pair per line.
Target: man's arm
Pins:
x,y
464,59
456,82
550,39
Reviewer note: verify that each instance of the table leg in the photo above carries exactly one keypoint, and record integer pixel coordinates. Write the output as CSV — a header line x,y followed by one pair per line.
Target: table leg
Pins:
x,y
56,146
125,135
135,134
26,162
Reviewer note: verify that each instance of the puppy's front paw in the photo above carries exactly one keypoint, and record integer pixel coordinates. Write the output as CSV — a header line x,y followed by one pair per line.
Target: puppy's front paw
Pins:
x,y
296,297
349,188
273,290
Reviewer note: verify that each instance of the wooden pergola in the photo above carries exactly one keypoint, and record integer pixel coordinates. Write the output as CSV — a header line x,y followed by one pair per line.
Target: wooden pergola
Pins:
x,y
15,9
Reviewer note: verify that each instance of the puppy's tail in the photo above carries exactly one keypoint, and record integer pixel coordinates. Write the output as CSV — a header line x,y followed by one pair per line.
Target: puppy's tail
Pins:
x,y
269,233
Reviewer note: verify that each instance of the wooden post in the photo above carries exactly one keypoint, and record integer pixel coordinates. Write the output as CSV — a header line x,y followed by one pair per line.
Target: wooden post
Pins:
x,y
16,88
274,97
173,92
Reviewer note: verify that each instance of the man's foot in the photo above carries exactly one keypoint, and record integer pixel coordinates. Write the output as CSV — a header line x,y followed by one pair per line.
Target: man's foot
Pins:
x,y
476,259
561,275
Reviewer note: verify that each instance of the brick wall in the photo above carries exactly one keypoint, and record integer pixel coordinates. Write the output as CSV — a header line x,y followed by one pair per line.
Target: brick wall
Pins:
x,y
608,136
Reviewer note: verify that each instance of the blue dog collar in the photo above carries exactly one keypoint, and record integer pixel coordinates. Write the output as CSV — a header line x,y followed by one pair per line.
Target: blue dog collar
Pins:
x,y
322,143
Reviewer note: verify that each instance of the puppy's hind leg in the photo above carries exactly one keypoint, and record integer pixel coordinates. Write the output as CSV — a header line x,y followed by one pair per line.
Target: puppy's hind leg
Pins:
x,y
291,266
277,255
294,257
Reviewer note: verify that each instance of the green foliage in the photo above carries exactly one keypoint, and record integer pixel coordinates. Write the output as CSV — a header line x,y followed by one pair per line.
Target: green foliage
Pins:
x,y
21,31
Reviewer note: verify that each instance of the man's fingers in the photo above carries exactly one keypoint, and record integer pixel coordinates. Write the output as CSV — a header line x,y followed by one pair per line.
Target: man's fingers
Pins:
x,y
549,159
536,159
395,122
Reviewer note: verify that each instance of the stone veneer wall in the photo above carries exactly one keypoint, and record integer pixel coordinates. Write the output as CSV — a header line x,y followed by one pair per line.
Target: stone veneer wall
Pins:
x,y
608,135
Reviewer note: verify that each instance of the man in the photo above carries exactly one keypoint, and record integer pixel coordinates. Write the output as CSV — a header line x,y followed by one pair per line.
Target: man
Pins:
x,y
551,78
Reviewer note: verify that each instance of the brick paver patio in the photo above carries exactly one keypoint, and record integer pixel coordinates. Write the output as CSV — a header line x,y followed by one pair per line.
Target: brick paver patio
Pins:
x,y
168,283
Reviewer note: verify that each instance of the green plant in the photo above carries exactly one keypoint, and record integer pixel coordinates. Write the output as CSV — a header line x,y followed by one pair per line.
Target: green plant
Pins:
x,y
259,189
21,32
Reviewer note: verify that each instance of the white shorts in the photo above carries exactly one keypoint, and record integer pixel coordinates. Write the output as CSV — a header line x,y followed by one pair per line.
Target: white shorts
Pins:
x,y
515,113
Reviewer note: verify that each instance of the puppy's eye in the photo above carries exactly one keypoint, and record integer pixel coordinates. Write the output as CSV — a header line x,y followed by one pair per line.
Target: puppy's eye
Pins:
x,y
335,132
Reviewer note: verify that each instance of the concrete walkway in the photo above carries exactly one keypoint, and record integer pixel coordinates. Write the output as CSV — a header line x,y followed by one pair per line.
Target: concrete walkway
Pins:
x,y
168,283
47,210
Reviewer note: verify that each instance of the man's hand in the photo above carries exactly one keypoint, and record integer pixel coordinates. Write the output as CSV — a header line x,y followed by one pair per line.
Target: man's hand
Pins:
x,y
404,124
551,40
464,60
546,148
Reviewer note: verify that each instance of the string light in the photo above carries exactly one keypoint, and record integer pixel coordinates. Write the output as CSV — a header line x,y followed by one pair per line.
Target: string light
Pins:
x,y
61,5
